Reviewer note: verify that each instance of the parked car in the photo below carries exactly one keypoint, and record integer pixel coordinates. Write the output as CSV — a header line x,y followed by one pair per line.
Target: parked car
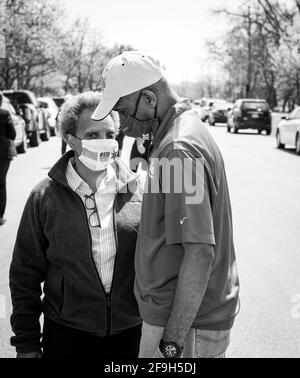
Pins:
x,y
206,105
288,131
19,124
250,114
219,113
35,117
51,109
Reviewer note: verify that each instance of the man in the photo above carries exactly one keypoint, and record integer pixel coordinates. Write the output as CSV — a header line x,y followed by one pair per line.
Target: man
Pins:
x,y
7,135
186,285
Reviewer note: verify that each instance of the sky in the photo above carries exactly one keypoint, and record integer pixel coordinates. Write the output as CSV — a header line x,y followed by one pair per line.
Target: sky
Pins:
x,y
173,30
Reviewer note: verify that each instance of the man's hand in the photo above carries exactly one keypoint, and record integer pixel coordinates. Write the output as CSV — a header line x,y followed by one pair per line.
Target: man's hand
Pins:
x,y
158,354
149,344
38,354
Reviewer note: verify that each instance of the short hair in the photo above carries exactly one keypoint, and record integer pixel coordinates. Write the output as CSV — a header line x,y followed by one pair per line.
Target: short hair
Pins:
x,y
72,109
162,87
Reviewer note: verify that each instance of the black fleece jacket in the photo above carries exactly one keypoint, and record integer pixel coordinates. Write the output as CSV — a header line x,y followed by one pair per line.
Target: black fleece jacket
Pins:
x,y
53,247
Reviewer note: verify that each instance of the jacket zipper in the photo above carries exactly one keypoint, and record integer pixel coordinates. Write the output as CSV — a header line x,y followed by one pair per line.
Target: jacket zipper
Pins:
x,y
107,296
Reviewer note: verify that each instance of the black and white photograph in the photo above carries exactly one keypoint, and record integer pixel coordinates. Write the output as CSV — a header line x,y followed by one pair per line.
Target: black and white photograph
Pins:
x,y
149,182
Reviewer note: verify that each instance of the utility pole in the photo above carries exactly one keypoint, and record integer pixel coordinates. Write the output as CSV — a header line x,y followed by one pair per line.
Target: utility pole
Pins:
x,y
249,73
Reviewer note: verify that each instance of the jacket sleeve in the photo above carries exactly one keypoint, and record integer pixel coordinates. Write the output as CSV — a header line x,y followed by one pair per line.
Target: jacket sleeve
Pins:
x,y
27,272
10,129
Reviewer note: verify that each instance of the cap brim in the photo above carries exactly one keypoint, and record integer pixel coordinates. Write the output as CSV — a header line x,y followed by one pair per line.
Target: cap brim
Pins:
x,y
104,109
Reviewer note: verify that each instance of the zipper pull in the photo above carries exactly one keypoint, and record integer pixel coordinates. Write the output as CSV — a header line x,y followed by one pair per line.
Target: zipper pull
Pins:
x,y
108,300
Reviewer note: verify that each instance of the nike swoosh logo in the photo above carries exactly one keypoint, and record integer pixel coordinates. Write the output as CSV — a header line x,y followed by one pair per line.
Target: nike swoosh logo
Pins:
x,y
183,220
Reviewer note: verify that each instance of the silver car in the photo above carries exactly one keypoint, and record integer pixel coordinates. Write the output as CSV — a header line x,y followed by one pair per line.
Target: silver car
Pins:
x,y
288,131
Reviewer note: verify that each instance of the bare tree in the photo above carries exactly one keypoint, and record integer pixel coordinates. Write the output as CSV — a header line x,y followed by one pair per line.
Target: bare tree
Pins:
x,y
32,34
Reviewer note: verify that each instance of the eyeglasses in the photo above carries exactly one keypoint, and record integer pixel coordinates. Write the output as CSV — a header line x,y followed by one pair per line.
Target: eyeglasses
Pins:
x,y
90,204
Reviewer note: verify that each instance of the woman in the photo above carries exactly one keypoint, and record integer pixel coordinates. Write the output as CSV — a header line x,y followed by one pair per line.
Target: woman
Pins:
x,y
7,135
77,236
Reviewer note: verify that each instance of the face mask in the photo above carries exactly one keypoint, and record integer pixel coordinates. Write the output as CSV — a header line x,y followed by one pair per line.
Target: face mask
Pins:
x,y
98,154
137,129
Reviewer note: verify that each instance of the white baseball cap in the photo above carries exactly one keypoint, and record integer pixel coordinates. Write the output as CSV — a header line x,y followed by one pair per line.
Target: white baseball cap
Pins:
x,y
125,74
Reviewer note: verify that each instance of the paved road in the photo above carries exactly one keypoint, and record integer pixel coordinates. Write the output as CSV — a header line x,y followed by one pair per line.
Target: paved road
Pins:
x,y
265,191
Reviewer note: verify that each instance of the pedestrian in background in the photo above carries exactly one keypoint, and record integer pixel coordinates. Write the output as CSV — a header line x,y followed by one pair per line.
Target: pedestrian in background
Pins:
x,y
7,152
187,284
78,236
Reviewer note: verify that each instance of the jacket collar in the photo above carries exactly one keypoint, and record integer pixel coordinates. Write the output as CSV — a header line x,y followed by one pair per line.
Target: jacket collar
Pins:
x,y
124,175
174,112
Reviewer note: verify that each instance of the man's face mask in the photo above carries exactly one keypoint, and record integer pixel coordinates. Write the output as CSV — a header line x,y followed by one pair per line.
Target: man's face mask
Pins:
x,y
137,129
98,154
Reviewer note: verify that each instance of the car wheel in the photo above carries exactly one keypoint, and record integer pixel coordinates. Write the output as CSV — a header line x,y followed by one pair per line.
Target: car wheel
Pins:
x,y
22,149
35,139
46,136
298,144
279,145
52,132
268,132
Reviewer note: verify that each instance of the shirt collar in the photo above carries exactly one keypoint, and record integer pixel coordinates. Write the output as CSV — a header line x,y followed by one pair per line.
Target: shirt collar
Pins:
x,y
73,178
174,112
75,181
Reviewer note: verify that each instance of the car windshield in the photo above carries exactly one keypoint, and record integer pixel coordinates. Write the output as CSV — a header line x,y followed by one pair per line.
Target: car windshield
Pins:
x,y
222,106
43,103
215,102
255,105
59,101
20,98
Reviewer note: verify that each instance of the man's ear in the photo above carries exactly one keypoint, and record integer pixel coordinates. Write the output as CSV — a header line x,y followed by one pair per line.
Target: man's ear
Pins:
x,y
149,98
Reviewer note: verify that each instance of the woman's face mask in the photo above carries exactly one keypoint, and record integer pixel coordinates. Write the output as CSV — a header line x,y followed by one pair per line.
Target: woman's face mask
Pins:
x,y
98,154
137,129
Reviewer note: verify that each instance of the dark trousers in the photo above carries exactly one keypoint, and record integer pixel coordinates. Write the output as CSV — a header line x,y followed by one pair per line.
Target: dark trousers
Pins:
x,y
65,343
4,166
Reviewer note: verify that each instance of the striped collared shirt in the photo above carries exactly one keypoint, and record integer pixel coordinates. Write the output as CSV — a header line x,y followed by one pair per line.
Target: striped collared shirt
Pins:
x,y
103,239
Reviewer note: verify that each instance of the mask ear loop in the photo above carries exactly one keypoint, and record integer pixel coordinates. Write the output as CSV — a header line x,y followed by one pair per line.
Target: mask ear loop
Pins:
x,y
74,145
